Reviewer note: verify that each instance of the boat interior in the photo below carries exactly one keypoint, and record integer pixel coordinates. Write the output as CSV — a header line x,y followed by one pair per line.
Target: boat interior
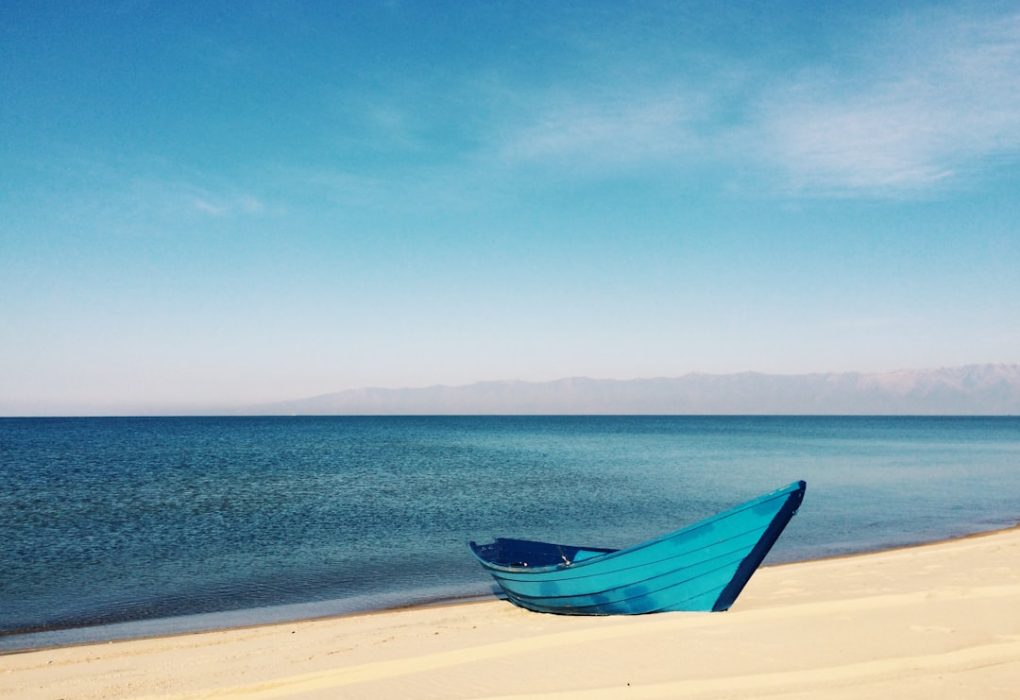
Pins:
x,y
527,553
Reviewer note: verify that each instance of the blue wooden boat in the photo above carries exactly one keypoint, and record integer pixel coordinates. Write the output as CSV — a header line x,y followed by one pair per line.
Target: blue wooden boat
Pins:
x,y
701,567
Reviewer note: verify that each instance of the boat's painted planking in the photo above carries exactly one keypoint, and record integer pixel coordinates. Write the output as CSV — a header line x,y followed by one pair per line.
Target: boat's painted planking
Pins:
x,y
701,567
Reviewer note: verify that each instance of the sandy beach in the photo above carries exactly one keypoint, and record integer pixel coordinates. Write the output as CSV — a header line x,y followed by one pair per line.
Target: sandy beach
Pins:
x,y
939,620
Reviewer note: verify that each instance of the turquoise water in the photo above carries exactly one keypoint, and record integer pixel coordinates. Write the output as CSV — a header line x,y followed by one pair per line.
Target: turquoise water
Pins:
x,y
115,527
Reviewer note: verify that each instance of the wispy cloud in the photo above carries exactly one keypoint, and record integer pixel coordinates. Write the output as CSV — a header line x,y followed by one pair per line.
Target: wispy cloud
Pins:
x,y
152,201
229,205
921,103
621,129
140,195
937,96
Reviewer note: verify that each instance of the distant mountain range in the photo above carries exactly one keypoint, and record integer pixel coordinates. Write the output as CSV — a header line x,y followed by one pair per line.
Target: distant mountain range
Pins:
x,y
990,389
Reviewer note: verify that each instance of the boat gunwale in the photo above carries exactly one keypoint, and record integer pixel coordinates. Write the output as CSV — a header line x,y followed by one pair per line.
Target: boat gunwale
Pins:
x,y
786,491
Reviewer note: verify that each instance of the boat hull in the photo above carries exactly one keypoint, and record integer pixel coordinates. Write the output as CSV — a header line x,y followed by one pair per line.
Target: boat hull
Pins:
x,y
702,567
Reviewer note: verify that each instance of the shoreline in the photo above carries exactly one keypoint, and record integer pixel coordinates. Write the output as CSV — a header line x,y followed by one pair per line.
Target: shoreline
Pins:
x,y
444,602
927,621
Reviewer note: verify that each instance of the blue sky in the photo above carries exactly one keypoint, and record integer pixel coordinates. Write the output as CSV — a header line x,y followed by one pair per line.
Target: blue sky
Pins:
x,y
211,203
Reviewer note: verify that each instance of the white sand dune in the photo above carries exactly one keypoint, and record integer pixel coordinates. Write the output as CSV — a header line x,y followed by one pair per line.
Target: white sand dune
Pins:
x,y
937,621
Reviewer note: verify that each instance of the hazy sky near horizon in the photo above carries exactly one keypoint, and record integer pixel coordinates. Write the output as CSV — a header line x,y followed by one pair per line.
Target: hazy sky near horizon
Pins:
x,y
208,203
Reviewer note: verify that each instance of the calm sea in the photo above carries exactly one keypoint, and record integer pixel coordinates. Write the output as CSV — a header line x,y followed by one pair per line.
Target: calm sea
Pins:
x,y
114,527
